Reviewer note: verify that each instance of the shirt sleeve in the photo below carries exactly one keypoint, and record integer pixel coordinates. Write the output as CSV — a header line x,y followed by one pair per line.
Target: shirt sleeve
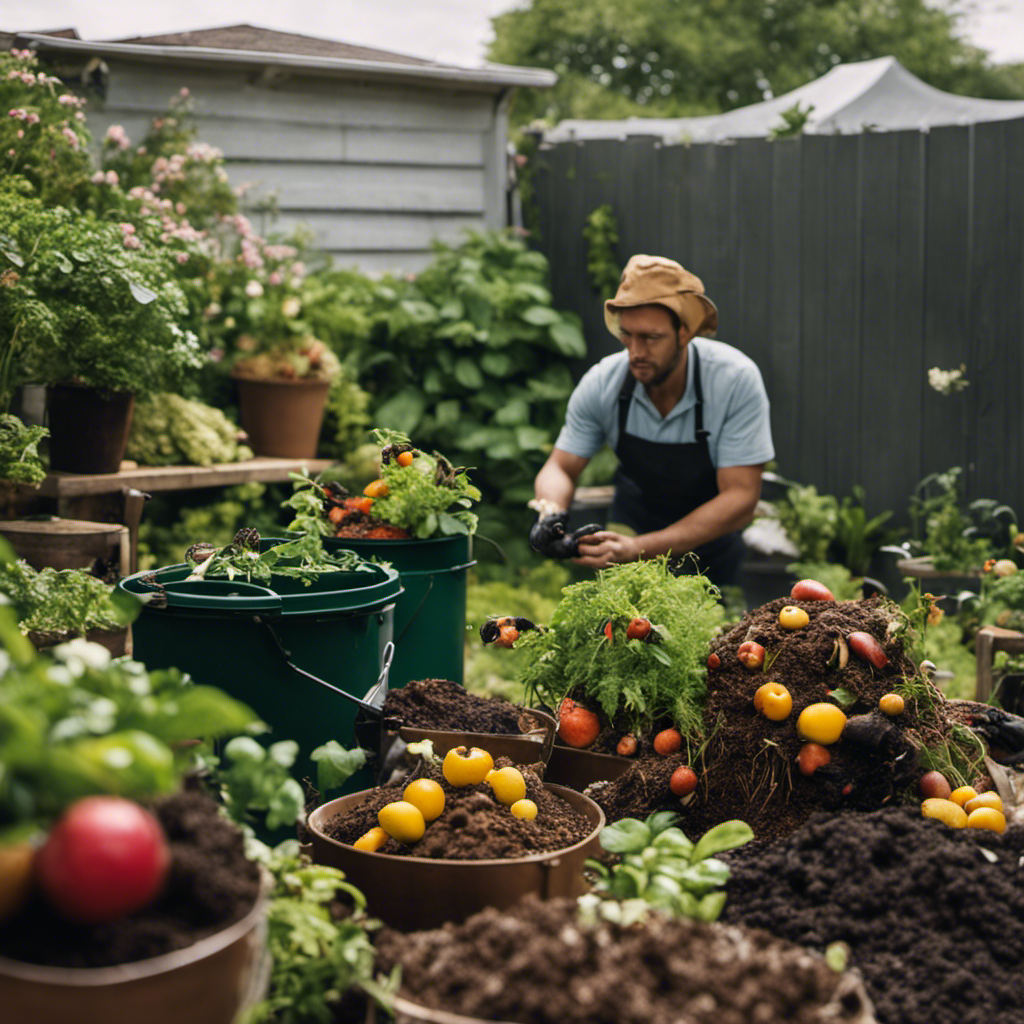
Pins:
x,y
746,434
584,433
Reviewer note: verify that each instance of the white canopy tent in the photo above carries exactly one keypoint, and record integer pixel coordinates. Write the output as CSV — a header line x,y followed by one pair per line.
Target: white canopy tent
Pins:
x,y
870,95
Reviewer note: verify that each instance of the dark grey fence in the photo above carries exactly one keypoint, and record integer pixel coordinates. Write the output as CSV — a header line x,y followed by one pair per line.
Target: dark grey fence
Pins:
x,y
845,266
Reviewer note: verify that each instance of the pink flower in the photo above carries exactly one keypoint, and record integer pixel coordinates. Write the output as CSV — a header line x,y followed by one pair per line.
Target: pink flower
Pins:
x,y
117,136
112,178
276,277
183,92
215,355
72,138
181,257
98,178
131,242
19,113
32,118
21,133
126,228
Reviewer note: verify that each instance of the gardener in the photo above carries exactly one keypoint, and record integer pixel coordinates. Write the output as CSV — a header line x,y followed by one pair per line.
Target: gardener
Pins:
x,y
692,439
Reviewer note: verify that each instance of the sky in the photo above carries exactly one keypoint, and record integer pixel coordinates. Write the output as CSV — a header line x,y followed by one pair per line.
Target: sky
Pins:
x,y
449,31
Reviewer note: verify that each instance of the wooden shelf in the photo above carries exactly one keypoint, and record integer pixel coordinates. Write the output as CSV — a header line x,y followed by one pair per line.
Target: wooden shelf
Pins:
x,y
264,469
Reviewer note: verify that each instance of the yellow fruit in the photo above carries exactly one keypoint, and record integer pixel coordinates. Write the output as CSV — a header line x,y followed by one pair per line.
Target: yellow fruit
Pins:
x,y
963,794
372,840
821,723
987,799
946,811
466,767
525,809
508,785
402,821
427,795
792,617
773,700
16,862
987,817
891,704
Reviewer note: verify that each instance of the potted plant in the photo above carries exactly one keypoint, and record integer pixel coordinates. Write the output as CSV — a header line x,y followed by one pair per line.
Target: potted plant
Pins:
x,y
90,308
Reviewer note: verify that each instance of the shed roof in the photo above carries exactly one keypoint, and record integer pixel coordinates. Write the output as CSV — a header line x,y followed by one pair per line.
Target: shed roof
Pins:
x,y
868,95
250,46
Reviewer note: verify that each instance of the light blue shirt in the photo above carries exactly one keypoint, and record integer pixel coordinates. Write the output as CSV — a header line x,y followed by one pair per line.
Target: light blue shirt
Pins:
x,y
736,409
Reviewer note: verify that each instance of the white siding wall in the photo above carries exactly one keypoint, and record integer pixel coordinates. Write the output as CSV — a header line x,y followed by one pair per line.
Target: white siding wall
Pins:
x,y
376,171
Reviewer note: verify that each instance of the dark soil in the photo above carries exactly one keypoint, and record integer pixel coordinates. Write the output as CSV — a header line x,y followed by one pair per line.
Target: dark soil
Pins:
x,y
642,790
473,825
935,926
748,768
537,964
211,884
442,704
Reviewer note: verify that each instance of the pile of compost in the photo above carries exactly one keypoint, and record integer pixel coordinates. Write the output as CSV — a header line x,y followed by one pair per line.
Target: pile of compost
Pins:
x,y
473,825
748,768
210,885
933,916
442,704
537,963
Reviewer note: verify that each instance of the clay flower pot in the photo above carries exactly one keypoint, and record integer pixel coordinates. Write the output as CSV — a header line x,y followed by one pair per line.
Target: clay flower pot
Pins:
x,y
282,417
209,982
412,893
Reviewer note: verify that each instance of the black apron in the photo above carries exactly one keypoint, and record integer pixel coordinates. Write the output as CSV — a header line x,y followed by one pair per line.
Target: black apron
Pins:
x,y
657,483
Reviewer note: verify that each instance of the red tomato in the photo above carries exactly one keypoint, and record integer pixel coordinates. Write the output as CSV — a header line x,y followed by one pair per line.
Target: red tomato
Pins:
x,y
104,858
638,629
683,781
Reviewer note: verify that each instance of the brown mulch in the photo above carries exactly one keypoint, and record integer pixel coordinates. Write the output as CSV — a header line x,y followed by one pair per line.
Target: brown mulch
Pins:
x,y
443,704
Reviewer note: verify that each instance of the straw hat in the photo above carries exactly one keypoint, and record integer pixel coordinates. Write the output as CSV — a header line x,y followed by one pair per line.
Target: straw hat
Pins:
x,y
655,280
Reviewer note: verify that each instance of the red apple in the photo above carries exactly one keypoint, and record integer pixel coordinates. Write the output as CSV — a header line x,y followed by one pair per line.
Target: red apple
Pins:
x,y
751,654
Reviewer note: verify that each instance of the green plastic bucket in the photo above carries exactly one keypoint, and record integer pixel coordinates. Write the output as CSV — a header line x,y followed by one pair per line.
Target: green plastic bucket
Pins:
x,y
430,615
241,637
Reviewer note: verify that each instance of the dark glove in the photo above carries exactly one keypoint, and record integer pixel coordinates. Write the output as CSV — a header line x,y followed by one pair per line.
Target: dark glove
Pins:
x,y
548,536
1003,732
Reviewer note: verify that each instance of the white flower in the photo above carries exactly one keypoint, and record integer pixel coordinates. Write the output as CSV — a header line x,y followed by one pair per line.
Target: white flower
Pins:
x,y
291,307
946,382
80,654
254,289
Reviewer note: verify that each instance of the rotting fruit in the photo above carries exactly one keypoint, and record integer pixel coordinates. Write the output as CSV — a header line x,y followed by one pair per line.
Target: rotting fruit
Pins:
x,y
626,747
792,617
525,809
751,654
773,700
105,857
868,649
812,756
464,766
402,821
370,842
946,811
821,723
508,785
427,795
638,629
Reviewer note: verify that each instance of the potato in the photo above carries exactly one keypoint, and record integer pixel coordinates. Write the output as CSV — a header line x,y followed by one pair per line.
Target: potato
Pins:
x,y
934,784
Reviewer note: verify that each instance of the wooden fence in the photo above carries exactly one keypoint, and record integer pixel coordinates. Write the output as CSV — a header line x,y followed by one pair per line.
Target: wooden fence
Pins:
x,y
846,266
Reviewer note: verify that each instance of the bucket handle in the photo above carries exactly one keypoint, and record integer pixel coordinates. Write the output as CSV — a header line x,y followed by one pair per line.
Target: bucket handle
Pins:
x,y
374,699
423,600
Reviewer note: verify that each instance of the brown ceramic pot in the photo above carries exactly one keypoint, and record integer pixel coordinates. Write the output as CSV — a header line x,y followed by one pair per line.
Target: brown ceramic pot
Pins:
x,y
282,417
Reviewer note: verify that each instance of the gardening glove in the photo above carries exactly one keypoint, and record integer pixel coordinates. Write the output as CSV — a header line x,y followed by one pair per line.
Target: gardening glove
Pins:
x,y
548,536
1003,732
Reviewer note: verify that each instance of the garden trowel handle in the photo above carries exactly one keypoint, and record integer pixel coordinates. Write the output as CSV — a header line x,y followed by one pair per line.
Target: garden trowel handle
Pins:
x,y
376,695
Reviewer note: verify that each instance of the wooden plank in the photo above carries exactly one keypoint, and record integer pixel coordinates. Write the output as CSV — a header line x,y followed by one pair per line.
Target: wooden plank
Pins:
x,y
947,293
382,145
373,232
346,187
178,478
302,100
700,203
744,324
994,435
719,272
673,172
782,371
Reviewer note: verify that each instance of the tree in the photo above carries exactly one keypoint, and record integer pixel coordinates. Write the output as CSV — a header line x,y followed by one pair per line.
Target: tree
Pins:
x,y
675,58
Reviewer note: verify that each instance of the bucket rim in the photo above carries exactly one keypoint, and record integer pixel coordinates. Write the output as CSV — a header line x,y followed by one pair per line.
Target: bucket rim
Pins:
x,y
588,805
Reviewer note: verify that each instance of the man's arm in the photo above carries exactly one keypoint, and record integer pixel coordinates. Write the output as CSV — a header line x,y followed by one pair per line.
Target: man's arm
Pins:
x,y
556,482
739,488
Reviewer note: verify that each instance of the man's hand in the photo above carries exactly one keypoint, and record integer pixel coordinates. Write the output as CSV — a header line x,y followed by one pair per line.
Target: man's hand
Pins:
x,y
604,548
548,536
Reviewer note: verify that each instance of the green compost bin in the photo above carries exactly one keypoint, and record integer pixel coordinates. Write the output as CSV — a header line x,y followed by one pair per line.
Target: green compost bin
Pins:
x,y
241,637
430,615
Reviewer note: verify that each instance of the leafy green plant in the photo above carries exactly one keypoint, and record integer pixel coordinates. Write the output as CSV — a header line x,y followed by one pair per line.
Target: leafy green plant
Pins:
x,y
940,527
169,430
19,451
601,233
810,520
660,868
794,120
640,682
470,357
857,537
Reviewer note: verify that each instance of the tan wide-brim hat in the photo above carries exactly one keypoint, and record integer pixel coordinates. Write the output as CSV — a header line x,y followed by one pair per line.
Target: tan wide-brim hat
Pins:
x,y
655,280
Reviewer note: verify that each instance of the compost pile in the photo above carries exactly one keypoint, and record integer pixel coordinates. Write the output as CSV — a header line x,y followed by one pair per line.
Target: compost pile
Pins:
x,y
473,825
934,916
210,885
537,963
442,704
749,769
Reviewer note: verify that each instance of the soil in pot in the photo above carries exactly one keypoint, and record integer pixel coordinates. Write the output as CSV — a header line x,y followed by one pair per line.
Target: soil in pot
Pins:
x,y
537,963
473,825
211,885
933,916
442,704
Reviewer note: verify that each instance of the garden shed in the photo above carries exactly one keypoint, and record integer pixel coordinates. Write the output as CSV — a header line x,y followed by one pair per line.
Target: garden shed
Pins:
x,y
379,153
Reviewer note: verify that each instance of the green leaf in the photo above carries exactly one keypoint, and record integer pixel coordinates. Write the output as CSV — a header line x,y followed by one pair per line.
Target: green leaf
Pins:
x,y
626,836
468,374
532,438
661,821
660,654
674,839
448,412
335,765
478,307
64,265
452,310
402,412
14,257
140,292
710,907
285,805
433,381
450,525
726,836
497,364
283,753
844,698
513,413
568,339
203,712
541,316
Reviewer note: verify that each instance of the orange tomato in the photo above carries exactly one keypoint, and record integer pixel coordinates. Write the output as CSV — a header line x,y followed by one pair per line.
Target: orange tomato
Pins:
x,y
376,489
404,458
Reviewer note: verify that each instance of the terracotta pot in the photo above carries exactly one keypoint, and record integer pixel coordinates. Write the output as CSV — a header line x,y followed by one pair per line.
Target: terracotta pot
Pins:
x,y
415,892
207,983
577,769
282,417
88,428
